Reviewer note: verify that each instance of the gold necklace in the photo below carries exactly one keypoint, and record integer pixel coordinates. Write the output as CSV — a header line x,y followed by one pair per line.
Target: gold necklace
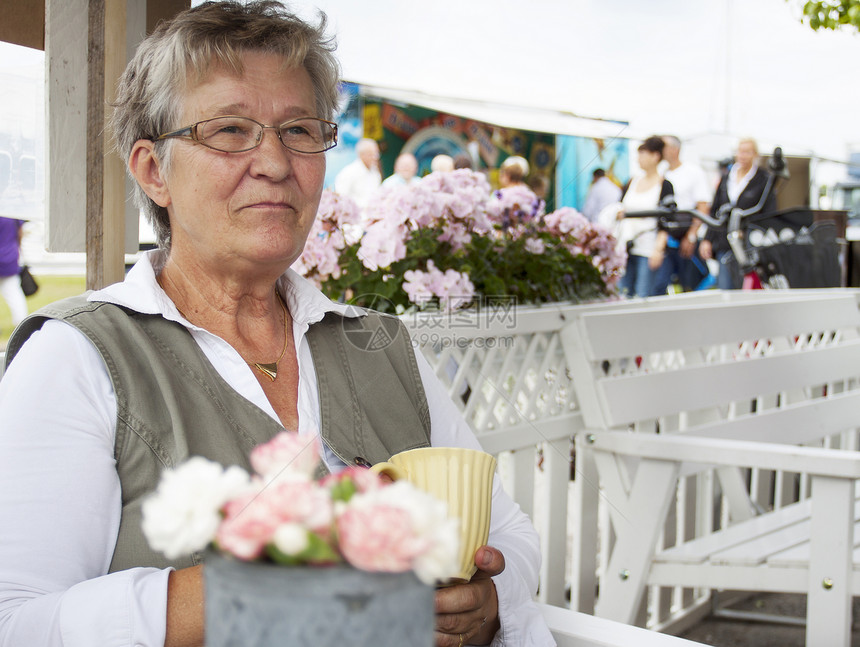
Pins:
x,y
270,369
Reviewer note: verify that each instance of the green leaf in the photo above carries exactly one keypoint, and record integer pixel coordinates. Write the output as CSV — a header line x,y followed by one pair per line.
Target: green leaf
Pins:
x,y
343,490
318,551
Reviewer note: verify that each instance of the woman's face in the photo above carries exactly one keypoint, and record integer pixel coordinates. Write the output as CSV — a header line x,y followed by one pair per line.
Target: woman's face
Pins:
x,y
648,160
252,209
746,154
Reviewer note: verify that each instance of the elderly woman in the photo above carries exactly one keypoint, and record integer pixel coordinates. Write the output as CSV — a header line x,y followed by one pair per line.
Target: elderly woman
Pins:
x,y
210,346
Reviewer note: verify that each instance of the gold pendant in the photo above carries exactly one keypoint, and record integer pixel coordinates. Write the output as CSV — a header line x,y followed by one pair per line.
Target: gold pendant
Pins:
x,y
269,370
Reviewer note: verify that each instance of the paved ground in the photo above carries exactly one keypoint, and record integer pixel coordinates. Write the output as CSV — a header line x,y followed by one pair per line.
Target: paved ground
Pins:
x,y
734,633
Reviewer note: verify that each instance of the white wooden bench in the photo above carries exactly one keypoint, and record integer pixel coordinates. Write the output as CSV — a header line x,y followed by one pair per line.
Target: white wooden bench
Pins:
x,y
575,629
766,392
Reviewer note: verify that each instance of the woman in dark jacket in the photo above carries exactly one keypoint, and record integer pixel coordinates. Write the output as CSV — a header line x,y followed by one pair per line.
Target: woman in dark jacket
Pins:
x,y
742,186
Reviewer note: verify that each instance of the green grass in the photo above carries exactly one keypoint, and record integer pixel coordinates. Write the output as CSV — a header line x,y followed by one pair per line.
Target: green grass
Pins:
x,y
51,288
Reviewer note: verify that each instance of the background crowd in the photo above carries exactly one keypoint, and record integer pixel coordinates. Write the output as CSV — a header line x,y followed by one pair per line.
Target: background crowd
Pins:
x,y
676,253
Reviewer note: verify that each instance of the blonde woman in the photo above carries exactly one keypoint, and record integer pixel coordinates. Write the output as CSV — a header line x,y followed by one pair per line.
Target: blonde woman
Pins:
x,y
741,186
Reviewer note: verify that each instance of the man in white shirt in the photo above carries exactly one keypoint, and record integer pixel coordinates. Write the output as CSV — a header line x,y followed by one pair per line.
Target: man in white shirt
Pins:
x,y
361,178
691,189
691,193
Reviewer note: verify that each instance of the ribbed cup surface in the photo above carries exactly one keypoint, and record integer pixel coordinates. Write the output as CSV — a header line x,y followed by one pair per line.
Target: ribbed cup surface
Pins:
x,y
464,479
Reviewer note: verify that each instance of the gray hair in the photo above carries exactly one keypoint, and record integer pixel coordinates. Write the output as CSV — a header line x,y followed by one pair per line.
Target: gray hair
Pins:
x,y
671,140
184,49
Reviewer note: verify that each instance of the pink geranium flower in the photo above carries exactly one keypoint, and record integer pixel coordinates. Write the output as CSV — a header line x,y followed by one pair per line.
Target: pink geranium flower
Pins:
x,y
397,528
284,514
286,450
456,221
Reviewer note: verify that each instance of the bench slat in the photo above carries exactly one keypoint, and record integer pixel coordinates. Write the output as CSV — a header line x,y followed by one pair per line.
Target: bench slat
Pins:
x,y
792,424
799,555
756,549
699,550
609,333
629,398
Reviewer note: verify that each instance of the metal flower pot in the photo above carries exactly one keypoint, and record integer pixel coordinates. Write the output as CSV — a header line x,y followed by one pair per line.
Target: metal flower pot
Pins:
x,y
251,604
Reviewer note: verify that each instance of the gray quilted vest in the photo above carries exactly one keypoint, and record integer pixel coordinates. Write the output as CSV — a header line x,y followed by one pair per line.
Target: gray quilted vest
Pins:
x,y
172,404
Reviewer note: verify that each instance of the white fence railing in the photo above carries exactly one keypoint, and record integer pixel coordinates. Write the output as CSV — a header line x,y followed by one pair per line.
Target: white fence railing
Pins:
x,y
507,370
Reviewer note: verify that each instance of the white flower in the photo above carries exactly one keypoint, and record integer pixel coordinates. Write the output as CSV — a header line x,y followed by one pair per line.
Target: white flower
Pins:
x,y
182,515
535,246
290,538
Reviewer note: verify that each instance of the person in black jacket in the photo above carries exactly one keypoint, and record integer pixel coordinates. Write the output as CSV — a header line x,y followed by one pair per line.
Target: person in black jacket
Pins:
x,y
741,186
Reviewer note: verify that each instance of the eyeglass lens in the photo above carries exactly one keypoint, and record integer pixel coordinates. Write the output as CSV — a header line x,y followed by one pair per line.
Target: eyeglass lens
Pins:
x,y
235,134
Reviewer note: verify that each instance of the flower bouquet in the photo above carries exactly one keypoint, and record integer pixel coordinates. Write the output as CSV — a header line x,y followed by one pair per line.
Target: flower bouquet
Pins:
x,y
361,554
448,242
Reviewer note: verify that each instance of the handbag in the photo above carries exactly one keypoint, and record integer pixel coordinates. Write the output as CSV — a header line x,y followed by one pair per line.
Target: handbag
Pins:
x,y
28,284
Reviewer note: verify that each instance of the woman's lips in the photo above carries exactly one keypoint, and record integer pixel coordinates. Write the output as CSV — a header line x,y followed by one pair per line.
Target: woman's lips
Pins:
x,y
273,206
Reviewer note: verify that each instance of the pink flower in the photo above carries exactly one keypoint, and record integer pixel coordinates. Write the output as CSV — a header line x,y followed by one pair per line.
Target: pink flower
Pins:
x,y
379,539
382,245
397,528
457,235
412,205
250,521
287,450
417,286
453,289
336,217
246,527
580,236
360,477
337,210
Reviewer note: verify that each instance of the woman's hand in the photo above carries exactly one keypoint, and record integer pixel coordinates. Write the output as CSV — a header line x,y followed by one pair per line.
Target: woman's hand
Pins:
x,y
468,614
705,249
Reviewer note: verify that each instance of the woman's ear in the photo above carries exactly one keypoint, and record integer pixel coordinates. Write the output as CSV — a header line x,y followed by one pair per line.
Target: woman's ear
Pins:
x,y
146,169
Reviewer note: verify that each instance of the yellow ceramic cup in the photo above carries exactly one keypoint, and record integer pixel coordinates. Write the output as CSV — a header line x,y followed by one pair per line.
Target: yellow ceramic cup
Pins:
x,y
463,478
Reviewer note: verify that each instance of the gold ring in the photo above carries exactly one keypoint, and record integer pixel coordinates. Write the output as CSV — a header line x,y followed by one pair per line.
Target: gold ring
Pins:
x,y
461,640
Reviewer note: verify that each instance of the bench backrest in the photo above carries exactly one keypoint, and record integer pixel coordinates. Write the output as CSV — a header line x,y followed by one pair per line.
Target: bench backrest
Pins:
x,y
710,368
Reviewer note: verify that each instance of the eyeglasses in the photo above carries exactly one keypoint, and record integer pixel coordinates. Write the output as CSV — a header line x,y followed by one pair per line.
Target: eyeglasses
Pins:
x,y
232,134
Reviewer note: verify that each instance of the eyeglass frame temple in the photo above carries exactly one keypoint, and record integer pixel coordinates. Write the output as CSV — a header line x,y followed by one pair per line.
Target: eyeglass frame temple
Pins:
x,y
190,132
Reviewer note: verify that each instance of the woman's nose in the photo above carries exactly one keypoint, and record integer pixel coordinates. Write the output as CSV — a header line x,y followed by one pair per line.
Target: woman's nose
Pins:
x,y
272,158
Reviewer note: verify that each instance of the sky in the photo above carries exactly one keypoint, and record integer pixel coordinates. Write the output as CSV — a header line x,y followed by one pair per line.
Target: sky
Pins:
x,y
703,69
707,70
